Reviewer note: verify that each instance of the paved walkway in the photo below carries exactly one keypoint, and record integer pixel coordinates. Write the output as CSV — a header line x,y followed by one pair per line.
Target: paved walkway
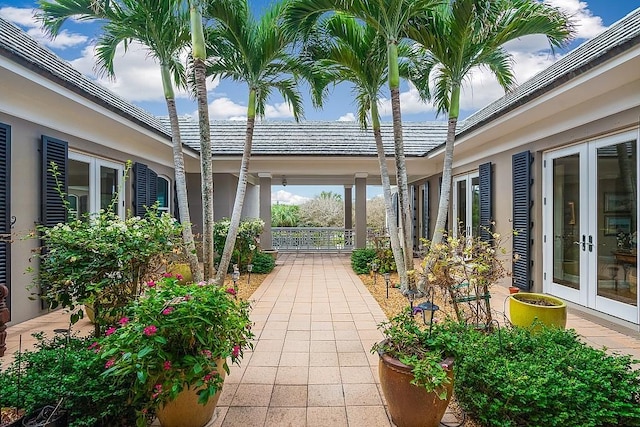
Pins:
x,y
315,323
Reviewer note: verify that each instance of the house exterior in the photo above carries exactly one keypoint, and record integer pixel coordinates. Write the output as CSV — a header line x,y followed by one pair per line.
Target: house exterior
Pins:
x,y
555,160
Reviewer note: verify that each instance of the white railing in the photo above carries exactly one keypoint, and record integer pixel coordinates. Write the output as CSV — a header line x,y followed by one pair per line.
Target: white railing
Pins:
x,y
308,239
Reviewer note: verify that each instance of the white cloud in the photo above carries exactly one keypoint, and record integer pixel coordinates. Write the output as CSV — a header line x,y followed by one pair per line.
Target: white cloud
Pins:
x,y
225,108
285,198
349,117
586,24
410,103
24,17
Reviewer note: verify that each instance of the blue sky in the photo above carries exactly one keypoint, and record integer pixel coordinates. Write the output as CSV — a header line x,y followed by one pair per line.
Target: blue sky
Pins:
x,y
138,78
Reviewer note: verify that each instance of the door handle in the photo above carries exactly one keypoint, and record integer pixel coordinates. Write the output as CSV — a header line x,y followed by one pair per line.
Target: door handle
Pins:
x,y
590,243
584,243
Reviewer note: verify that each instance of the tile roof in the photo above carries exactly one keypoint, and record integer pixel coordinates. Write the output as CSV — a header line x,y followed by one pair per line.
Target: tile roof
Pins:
x,y
20,47
621,36
312,137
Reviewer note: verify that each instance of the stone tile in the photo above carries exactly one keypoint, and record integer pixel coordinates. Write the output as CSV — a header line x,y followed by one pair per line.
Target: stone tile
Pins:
x,y
322,346
324,375
327,416
289,395
275,325
323,359
367,416
292,375
323,336
344,326
259,375
218,416
298,335
342,317
294,359
361,394
325,395
243,416
265,358
356,375
347,335
353,359
228,391
349,346
252,395
300,346
269,345
286,417
322,326
273,334
279,317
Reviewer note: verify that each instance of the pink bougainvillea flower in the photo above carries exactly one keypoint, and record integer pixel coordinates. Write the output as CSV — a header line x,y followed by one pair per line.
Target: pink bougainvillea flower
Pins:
x,y
236,351
202,283
151,284
150,330
231,291
187,297
206,378
179,276
94,345
206,354
110,331
167,275
123,321
158,391
166,365
109,363
167,310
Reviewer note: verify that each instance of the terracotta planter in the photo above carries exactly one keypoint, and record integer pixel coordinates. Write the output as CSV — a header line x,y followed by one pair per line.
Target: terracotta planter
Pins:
x,y
514,289
523,313
185,411
410,405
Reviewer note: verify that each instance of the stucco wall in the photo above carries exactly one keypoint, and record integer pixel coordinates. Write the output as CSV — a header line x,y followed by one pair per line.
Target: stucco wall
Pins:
x,y
25,201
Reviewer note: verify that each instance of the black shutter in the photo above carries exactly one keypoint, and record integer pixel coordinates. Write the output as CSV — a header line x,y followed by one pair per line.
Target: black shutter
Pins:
x,y
145,188
176,206
522,225
414,219
5,207
486,201
152,179
53,207
425,210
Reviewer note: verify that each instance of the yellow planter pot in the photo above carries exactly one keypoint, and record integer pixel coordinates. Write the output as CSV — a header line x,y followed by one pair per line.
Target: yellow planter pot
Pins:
x,y
523,310
182,269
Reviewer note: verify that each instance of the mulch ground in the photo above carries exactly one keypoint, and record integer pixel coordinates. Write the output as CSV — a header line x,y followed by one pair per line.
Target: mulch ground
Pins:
x,y
246,287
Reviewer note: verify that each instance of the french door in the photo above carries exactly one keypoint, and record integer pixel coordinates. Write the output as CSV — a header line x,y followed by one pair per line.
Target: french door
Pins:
x,y
466,205
590,200
94,185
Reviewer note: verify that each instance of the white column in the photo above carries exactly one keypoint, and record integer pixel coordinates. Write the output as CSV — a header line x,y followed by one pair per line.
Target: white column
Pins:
x,y
266,241
348,207
361,210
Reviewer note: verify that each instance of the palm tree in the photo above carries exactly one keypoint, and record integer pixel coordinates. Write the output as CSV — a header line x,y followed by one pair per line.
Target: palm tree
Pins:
x,y
462,35
199,56
254,51
391,18
354,52
164,30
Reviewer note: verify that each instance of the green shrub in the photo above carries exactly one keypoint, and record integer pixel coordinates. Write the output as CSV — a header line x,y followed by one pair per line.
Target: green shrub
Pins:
x,y
361,260
70,369
246,245
550,378
386,261
263,263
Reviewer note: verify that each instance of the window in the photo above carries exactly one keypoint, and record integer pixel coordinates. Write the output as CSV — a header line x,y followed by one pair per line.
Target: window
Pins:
x,y
163,194
94,184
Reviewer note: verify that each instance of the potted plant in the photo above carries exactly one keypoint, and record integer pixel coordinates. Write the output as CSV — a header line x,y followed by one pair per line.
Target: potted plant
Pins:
x,y
416,370
176,340
103,260
527,307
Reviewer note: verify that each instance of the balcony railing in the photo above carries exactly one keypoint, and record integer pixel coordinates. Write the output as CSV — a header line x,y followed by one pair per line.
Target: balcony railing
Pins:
x,y
308,239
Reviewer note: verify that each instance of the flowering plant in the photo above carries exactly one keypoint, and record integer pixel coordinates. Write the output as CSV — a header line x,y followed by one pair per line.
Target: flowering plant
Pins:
x,y
247,241
176,336
626,241
102,255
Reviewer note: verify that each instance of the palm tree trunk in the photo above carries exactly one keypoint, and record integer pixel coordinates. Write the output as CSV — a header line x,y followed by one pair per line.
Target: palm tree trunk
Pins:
x,y
398,255
445,191
240,192
206,167
181,181
401,165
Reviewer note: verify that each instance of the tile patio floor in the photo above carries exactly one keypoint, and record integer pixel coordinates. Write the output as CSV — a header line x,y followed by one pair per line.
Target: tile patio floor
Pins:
x,y
311,366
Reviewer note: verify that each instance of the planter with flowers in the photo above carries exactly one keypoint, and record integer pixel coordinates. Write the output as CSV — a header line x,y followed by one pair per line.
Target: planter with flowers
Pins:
x,y
176,340
416,370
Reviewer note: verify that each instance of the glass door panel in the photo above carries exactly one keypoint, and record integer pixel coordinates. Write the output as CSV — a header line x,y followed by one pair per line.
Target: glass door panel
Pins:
x,y
460,208
475,206
617,256
108,186
566,221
